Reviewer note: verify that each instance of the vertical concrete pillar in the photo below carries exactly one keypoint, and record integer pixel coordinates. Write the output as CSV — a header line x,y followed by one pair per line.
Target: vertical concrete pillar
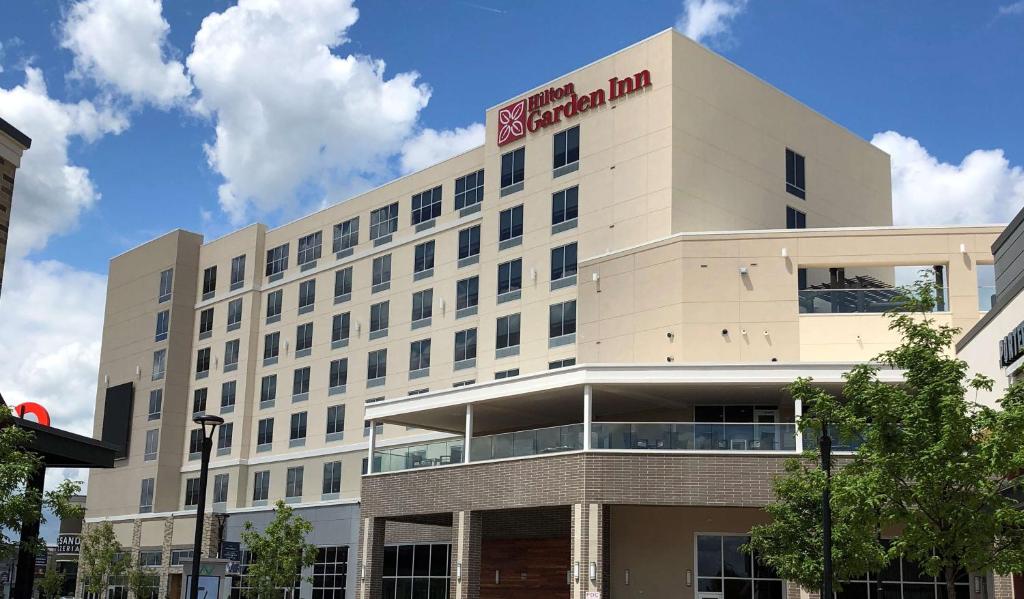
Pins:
x,y
1002,587
371,447
798,411
371,558
467,537
589,565
588,415
165,556
469,433
135,548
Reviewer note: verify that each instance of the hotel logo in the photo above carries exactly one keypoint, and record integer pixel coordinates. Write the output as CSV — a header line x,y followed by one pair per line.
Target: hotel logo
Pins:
x,y
512,122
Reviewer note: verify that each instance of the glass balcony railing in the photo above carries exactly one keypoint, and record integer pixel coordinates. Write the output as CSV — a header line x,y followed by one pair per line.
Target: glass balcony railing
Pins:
x,y
424,455
838,443
525,443
852,301
699,436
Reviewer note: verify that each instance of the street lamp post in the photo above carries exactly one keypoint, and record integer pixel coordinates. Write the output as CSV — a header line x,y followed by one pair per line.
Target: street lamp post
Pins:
x,y
208,424
825,446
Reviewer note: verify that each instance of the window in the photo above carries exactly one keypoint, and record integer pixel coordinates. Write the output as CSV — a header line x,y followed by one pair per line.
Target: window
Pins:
x,y
565,205
152,444
332,480
377,364
795,183
508,331
146,495
564,363
563,319
504,374
510,276
191,492
986,274
335,419
378,428
209,282
469,242
159,364
231,354
426,205
338,373
277,260
265,432
237,271
511,224
381,271
722,566
346,235
424,568
903,577
465,345
469,190
422,304
309,248
293,484
203,361
228,390
567,147
298,427
274,301
151,558
330,567
205,322
303,337
268,388
379,317
512,164
220,488
163,323
234,314
340,327
166,280
383,221
261,485
195,443
156,400
795,219
563,261
423,257
224,435
419,355
467,293
271,345
307,295
300,381
342,284
199,400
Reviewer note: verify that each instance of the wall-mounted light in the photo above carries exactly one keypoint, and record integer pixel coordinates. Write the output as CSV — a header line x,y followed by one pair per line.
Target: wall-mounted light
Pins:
x,y
593,571
785,253
533,274
576,571
670,335
497,577
627,577
138,371
106,380
743,332
766,332
743,270
689,578
963,248
362,570
977,584
596,278
458,572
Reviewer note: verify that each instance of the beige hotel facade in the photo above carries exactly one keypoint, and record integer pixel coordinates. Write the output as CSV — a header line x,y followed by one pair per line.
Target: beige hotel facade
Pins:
x,y
551,366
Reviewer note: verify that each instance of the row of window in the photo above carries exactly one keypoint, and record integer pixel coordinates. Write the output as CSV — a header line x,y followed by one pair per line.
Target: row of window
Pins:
x,y
294,479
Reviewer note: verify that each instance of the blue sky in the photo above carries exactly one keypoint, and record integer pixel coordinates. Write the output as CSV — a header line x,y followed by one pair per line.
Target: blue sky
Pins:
x,y
141,123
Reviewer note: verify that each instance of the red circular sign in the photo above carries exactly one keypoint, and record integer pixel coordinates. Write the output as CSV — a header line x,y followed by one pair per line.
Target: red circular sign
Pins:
x,y
31,407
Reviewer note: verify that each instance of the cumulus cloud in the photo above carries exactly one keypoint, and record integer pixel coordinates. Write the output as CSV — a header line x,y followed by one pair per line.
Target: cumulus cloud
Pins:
x,y
430,146
707,20
50,192
983,188
289,112
122,44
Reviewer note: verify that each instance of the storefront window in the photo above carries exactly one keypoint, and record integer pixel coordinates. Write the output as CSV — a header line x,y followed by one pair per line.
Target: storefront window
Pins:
x,y
722,567
420,571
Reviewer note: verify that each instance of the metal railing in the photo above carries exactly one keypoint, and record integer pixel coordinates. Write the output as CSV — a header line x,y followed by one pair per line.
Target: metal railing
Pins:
x,y
695,436
852,301
422,455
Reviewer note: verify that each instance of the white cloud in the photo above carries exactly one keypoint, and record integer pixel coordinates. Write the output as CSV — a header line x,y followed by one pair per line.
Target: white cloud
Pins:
x,y
706,20
50,192
983,188
290,113
122,44
430,146
1016,8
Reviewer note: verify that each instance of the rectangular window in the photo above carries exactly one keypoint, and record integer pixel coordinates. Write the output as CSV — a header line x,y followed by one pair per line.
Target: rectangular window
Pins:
x,y
307,294
277,260
335,419
156,400
795,219
209,282
511,223
986,276
304,337
340,327
339,373
795,183
265,432
159,364
419,355
423,259
163,324
261,485
424,566
378,428
422,304
465,345
383,221
224,435
199,400
510,276
166,280
377,364
469,242
300,381
234,314
512,167
268,388
297,429
724,566
467,293
469,190
220,488
293,485
562,319
381,271
231,353
342,283
237,271
195,443
504,374
152,444
346,235
309,248
379,317
565,363
565,205
228,391
274,302
191,492
271,345
563,261
332,483
426,205
146,495
203,361
508,331
330,567
205,321
567,147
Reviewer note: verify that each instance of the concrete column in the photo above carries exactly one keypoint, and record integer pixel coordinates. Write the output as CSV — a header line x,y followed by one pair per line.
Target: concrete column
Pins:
x,y
165,556
372,447
798,411
1002,587
467,536
79,581
371,558
469,433
588,415
590,565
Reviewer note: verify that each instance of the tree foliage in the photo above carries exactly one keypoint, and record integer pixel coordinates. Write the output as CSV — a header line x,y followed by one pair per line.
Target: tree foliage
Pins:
x,y
278,554
100,559
140,580
52,582
933,472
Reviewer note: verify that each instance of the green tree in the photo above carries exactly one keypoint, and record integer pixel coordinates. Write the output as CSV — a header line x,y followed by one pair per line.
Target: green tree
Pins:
x,y
100,559
19,504
934,470
52,582
141,581
278,554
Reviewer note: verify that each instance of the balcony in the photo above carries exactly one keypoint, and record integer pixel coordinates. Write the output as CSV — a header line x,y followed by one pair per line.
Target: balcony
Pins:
x,y
695,436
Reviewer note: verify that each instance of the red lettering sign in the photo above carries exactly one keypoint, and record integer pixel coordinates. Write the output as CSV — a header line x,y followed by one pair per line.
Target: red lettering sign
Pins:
x,y
30,407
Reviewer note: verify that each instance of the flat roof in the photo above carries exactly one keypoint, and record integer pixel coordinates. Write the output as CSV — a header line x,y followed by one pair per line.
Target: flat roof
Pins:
x,y
17,135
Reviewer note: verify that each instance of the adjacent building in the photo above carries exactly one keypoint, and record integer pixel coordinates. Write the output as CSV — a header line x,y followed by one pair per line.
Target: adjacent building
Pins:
x,y
13,144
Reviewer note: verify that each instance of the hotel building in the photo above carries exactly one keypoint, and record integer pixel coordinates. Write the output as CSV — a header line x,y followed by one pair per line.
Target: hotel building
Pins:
x,y
551,366
13,144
